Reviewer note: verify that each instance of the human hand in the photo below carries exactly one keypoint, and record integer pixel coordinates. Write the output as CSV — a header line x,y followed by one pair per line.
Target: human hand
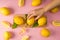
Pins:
x,y
37,12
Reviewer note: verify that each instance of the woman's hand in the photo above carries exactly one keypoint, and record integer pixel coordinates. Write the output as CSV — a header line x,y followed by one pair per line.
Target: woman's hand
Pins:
x,y
37,12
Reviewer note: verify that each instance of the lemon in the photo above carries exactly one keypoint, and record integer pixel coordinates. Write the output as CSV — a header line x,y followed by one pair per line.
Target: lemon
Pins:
x,y
25,37
42,21
21,3
6,24
36,2
45,32
7,35
54,10
30,21
23,30
18,20
5,11
56,23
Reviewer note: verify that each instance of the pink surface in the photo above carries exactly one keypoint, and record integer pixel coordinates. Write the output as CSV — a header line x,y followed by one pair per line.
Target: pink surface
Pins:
x,y
33,32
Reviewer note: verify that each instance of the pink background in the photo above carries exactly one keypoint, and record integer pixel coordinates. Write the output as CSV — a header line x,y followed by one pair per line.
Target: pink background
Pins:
x,y
33,32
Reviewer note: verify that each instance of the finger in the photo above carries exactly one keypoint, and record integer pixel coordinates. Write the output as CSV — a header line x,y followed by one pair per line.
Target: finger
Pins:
x,y
37,17
28,15
31,16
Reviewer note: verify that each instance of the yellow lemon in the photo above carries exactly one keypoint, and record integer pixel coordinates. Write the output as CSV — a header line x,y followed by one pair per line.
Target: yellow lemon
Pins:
x,y
54,10
6,24
30,21
7,35
18,20
21,3
5,11
36,2
42,21
45,32
56,23
25,37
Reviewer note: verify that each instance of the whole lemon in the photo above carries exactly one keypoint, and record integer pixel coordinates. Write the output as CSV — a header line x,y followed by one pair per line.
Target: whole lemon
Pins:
x,y
36,2
54,10
42,21
18,20
7,35
45,32
5,11
30,21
